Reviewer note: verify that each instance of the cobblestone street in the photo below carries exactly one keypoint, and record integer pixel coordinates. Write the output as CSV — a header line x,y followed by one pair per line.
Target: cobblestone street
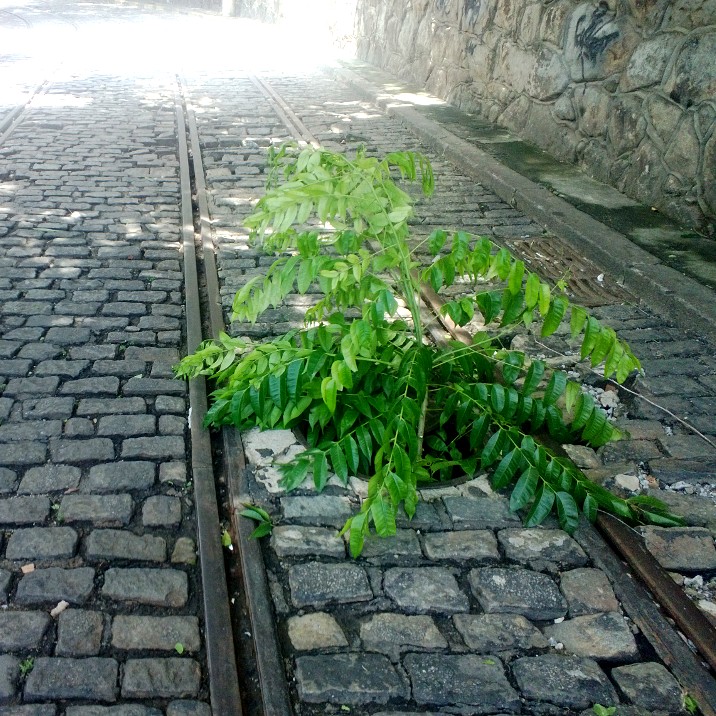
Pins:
x,y
101,594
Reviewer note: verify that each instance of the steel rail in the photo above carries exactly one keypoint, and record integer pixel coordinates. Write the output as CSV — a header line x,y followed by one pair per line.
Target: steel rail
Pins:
x,y
274,692
218,633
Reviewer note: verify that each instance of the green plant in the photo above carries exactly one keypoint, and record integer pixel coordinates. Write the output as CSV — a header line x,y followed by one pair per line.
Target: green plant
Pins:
x,y
690,704
372,394
26,666
600,710
257,514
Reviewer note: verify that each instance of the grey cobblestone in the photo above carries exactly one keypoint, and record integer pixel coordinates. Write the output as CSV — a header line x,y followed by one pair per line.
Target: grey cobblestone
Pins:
x,y
155,633
49,478
9,677
163,678
158,587
22,631
101,510
425,589
468,680
491,633
121,544
119,476
322,678
42,543
16,511
79,633
161,511
54,584
93,678
319,584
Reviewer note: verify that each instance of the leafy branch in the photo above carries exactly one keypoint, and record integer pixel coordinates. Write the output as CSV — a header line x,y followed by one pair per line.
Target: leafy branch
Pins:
x,y
373,396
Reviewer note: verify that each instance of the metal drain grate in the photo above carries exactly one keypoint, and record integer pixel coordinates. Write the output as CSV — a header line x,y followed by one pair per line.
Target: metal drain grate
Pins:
x,y
553,259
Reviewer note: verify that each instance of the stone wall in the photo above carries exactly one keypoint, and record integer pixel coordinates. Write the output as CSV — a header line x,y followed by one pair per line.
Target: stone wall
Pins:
x,y
625,88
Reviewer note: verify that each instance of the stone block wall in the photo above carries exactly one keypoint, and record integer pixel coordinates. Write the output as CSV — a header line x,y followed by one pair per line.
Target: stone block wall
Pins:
x,y
625,88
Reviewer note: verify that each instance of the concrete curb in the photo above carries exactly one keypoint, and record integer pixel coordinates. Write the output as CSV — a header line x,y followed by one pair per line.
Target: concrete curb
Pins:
x,y
686,302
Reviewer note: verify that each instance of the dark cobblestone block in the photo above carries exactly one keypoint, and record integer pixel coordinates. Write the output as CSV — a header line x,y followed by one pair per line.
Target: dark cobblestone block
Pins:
x,y
61,678
464,680
649,686
686,447
568,681
163,447
172,425
105,510
5,578
323,510
161,511
123,710
588,591
155,633
38,352
681,549
160,678
8,481
69,451
108,385
79,633
517,591
65,336
42,543
49,478
372,679
79,427
16,511
174,472
153,354
120,476
30,430
153,386
491,633
9,677
529,545
188,708
425,519
670,471
92,407
316,584
478,546
158,587
298,541
392,634
629,451
15,368
170,404
425,589
47,408
23,453
49,586
122,368
120,544
604,637
694,509
63,368
479,513
127,425
23,388
401,547
22,631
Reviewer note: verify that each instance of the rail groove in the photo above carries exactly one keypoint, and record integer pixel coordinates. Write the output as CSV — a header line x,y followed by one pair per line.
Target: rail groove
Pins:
x,y
221,657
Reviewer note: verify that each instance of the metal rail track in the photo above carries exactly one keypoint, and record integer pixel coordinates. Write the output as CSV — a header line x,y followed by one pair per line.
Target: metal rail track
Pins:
x,y
638,601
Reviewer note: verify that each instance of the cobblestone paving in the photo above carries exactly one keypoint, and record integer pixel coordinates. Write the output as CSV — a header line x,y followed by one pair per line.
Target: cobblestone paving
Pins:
x,y
96,513
464,610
